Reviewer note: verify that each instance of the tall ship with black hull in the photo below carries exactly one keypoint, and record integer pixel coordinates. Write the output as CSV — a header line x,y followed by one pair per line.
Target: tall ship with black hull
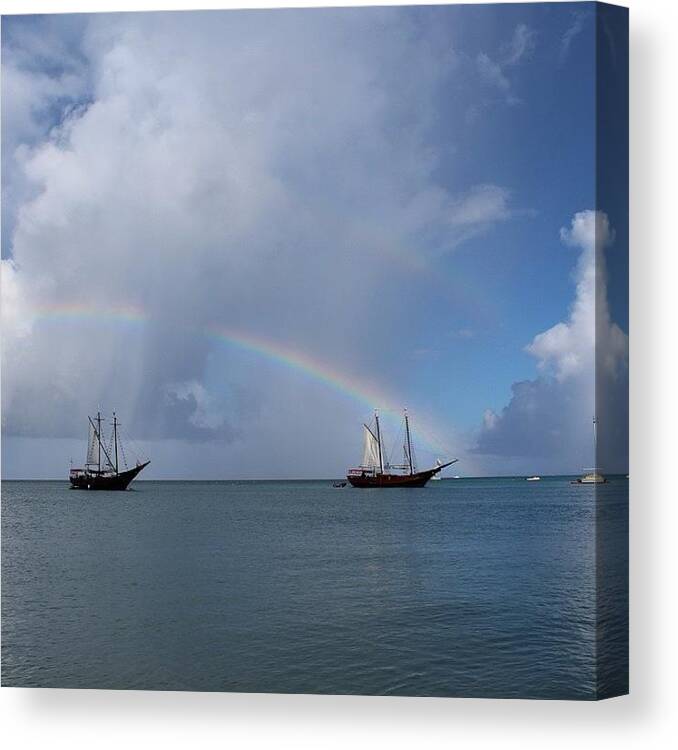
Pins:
x,y
106,463
376,471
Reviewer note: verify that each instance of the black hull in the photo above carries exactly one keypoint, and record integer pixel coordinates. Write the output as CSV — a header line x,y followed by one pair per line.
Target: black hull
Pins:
x,y
393,480
110,482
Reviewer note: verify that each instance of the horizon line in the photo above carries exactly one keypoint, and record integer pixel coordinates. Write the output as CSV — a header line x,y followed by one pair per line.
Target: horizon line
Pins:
x,y
315,479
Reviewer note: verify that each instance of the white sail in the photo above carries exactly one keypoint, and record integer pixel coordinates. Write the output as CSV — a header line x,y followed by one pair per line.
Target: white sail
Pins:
x,y
370,450
92,448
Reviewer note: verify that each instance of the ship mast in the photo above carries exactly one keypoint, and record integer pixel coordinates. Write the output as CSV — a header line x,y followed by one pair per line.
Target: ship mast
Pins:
x,y
409,444
97,432
115,440
381,459
99,438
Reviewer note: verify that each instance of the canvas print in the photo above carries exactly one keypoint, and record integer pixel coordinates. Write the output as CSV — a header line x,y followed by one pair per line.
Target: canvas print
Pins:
x,y
315,351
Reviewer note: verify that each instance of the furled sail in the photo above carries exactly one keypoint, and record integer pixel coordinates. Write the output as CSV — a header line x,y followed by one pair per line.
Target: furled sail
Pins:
x,y
370,450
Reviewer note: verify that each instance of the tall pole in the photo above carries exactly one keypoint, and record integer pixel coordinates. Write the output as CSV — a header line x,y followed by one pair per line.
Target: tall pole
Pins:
x,y
102,447
409,444
99,437
595,441
115,441
381,460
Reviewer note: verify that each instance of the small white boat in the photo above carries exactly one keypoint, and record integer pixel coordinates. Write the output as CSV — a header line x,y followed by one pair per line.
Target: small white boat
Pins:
x,y
533,479
592,476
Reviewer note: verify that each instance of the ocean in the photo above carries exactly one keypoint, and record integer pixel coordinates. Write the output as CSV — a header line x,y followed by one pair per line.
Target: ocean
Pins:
x,y
469,587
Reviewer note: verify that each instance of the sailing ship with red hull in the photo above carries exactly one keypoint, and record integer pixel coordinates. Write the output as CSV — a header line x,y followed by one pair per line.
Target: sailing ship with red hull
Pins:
x,y
374,471
102,467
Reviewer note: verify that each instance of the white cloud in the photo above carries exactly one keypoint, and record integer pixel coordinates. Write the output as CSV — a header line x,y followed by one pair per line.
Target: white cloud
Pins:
x,y
230,168
483,204
583,364
521,45
493,72
205,414
463,333
490,419
472,213
40,73
579,19
568,348
494,69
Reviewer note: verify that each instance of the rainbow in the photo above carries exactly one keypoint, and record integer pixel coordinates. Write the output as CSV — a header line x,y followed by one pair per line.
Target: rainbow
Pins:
x,y
359,390
79,311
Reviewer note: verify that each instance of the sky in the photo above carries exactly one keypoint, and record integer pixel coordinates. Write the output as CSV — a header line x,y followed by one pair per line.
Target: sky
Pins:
x,y
245,230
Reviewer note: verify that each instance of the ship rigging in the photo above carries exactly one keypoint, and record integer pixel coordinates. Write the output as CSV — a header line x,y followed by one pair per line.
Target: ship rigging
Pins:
x,y
376,471
105,460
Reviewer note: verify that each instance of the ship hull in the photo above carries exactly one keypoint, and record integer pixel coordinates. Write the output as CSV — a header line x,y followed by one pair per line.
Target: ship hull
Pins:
x,y
110,482
418,479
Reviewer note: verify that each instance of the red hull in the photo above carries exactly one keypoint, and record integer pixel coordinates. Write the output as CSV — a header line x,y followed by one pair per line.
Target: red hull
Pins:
x,y
392,480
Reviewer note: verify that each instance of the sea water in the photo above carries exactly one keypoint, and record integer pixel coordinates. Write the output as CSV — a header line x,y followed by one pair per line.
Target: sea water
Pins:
x,y
470,587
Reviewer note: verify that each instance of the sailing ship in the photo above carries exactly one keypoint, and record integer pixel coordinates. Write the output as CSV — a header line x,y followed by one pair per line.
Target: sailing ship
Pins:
x,y
103,466
593,475
375,471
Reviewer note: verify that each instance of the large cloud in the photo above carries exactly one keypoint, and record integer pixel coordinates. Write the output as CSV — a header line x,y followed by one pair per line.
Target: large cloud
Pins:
x,y
583,364
41,74
237,168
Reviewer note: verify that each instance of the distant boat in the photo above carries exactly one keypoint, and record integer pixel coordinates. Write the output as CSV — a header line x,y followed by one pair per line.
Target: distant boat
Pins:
x,y
592,476
533,479
374,471
102,465
338,484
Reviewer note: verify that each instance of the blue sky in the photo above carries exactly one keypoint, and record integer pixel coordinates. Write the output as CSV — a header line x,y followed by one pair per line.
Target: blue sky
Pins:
x,y
399,193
